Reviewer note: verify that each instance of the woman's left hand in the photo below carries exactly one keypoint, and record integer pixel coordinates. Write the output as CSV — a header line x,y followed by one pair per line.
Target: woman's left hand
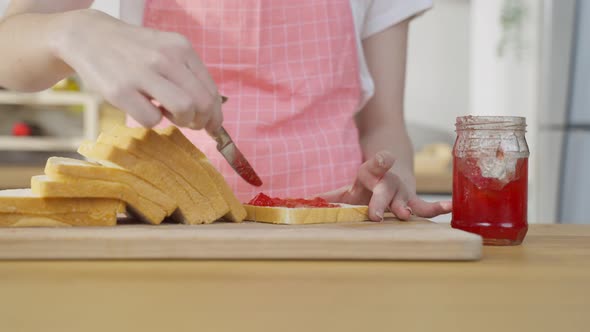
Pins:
x,y
378,186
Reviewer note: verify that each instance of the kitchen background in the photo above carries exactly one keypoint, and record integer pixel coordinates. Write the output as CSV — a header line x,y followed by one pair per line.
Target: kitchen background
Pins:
x,y
483,57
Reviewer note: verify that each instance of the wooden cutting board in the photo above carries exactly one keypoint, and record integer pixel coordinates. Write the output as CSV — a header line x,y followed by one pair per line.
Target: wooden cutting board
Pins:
x,y
389,240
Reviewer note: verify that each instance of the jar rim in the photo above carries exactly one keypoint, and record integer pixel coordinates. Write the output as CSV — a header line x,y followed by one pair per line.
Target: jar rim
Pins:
x,y
486,122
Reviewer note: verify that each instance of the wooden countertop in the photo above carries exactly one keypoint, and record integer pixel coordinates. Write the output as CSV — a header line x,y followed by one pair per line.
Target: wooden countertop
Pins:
x,y
543,285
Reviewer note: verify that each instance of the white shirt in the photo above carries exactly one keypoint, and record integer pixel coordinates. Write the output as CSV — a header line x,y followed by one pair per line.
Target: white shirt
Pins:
x,y
370,17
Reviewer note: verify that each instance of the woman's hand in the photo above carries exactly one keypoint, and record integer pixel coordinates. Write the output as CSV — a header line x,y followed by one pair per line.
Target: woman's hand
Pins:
x,y
379,187
138,69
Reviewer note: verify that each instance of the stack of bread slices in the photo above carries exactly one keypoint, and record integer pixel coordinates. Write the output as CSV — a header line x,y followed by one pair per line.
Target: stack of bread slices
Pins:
x,y
149,174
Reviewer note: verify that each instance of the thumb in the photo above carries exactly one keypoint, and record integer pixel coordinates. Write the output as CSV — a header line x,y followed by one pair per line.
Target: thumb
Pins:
x,y
335,196
425,209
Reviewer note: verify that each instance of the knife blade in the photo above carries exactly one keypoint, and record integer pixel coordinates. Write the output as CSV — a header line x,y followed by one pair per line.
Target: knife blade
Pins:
x,y
229,151
235,158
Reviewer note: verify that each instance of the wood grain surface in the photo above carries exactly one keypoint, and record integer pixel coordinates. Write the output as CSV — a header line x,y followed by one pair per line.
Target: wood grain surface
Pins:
x,y
542,285
389,240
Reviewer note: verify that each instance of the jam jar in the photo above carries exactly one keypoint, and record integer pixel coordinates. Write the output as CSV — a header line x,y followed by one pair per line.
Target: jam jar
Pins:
x,y
490,178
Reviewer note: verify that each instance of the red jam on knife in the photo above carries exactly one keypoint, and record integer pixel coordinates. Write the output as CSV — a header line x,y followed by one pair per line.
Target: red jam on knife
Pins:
x,y
264,200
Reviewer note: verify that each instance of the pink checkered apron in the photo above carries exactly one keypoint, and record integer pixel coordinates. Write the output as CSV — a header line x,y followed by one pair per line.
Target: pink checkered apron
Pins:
x,y
290,70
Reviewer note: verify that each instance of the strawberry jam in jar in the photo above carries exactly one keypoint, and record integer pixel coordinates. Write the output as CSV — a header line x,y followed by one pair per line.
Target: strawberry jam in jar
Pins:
x,y
490,178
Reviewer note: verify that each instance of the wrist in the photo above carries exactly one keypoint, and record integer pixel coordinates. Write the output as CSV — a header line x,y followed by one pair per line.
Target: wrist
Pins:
x,y
57,33
66,32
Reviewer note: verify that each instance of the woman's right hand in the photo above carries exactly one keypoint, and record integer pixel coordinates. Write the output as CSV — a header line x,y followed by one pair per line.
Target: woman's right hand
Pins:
x,y
133,66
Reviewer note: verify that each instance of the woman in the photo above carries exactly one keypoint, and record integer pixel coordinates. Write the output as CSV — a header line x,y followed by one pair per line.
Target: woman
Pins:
x,y
315,87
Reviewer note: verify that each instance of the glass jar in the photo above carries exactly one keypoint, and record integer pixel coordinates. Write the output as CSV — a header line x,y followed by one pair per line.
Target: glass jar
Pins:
x,y
490,178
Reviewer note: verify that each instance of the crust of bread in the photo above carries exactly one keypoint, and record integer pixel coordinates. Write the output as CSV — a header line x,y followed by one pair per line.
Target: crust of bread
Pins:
x,y
70,187
132,146
236,213
176,159
108,218
299,216
57,166
152,171
24,201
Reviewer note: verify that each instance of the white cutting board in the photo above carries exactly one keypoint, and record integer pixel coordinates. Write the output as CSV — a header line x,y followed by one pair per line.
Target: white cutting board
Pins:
x,y
389,240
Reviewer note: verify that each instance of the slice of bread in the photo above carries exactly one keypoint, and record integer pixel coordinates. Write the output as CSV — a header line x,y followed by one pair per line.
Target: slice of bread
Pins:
x,y
22,208
237,213
152,171
57,166
64,186
176,159
24,201
134,147
109,218
297,216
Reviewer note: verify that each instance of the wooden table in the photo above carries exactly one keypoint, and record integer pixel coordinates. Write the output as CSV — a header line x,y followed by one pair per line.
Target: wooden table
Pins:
x,y
543,285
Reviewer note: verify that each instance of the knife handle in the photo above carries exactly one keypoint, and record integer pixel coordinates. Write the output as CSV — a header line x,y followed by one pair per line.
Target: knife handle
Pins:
x,y
165,111
222,138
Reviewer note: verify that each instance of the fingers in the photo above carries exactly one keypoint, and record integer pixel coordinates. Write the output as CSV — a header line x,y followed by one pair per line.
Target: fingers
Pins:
x,y
139,108
182,85
400,208
216,118
195,111
358,193
336,196
205,100
391,193
200,71
371,171
176,51
178,104
383,193
379,187
348,195
429,209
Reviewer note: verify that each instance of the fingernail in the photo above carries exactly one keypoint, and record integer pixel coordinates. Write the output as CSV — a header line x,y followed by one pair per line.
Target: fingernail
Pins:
x,y
380,160
351,190
409,210
379,215
446,205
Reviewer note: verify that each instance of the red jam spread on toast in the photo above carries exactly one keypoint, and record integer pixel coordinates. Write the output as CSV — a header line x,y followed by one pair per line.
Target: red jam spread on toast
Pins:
x,y
264,200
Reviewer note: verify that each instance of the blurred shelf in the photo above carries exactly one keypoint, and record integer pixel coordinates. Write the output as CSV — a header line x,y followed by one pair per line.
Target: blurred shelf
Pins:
x,y
13,177
9,143
434,183
90,102
48,97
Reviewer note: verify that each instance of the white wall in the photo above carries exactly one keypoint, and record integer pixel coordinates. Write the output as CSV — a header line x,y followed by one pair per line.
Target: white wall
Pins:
x,y
437,88
508,84
3,5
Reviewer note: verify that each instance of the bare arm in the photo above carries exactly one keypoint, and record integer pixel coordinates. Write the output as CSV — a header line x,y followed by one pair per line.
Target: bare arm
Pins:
x,y
29,32
133,68
381,122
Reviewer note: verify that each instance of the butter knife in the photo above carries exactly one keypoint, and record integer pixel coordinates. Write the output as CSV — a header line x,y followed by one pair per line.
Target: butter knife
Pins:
x,y
234,157
229,151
